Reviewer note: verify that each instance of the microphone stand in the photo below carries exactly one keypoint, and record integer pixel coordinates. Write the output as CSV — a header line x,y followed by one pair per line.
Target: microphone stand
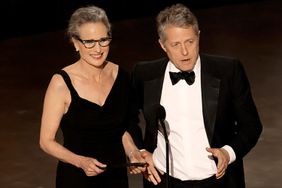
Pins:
x,y
167,152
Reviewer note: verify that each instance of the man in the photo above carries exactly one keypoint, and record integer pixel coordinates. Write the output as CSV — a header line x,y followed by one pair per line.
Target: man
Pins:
x,y
213,122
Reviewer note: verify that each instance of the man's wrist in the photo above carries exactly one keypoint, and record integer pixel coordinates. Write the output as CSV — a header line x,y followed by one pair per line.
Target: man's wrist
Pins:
x,y
231,153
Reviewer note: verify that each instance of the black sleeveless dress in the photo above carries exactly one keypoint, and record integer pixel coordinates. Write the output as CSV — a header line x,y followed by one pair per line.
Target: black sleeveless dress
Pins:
x,y
96,131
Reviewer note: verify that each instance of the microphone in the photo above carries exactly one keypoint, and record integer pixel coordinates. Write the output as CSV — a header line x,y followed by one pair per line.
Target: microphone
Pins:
x,y
163,127
161,114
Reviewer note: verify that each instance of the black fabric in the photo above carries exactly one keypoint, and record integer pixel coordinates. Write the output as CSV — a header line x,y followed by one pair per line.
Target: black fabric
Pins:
x,y
189,77
96,131
230,115
211,182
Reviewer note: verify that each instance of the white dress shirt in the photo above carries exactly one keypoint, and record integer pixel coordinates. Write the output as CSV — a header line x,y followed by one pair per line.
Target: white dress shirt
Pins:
x,y
188,140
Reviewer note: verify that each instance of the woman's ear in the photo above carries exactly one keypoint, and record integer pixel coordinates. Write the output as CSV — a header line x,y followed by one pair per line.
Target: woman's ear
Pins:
x,y
75,44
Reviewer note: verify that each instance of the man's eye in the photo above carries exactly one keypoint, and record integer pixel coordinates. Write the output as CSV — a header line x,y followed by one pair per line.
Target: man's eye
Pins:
x,y
175,44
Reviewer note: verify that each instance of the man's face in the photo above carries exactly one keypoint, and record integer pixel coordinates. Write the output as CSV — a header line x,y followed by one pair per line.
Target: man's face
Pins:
x,y
181,46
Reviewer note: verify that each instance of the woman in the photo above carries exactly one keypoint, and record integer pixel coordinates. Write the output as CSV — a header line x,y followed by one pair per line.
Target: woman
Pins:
x,y
88,100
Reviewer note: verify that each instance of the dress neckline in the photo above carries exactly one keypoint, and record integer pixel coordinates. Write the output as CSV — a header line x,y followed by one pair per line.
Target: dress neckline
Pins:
x,y
92,102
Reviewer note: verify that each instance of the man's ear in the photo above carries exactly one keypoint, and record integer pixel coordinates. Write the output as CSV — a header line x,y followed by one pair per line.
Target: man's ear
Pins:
x,y
162,45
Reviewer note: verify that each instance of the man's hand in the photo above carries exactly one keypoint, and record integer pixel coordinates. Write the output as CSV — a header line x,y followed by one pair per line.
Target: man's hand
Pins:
x,y
151,174
223,160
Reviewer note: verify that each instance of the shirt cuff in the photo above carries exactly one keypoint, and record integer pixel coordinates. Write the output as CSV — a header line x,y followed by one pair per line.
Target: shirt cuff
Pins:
x,y
231,153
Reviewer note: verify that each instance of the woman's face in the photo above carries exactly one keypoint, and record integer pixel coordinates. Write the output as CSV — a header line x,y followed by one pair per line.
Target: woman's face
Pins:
x,y
93,43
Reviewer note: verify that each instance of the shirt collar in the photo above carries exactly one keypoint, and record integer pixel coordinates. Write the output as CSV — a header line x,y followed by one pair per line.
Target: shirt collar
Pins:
x,y
173,68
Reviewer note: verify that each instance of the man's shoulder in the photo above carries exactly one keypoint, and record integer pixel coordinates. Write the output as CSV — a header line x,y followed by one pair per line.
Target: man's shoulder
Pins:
x,y
219,62
218,58
220,66
150,69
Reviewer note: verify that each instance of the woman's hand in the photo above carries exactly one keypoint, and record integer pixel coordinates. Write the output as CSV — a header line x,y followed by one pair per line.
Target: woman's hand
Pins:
x,y
136,157
91,166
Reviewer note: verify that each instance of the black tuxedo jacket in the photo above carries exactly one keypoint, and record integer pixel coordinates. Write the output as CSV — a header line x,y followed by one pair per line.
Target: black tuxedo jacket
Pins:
x,y
229,112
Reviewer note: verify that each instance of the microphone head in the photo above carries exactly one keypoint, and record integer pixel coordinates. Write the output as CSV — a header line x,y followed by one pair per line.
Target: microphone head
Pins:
x,y
161,113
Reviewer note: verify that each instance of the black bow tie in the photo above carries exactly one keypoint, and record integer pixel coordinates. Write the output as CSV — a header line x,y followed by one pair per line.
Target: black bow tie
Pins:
x,y
189,77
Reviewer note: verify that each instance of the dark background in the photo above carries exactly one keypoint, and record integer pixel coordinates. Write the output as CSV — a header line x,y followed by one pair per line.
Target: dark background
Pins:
x,y
25,17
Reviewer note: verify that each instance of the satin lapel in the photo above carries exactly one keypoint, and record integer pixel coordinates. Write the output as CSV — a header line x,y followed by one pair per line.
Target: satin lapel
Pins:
x,y
210,94
152,91
152,95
